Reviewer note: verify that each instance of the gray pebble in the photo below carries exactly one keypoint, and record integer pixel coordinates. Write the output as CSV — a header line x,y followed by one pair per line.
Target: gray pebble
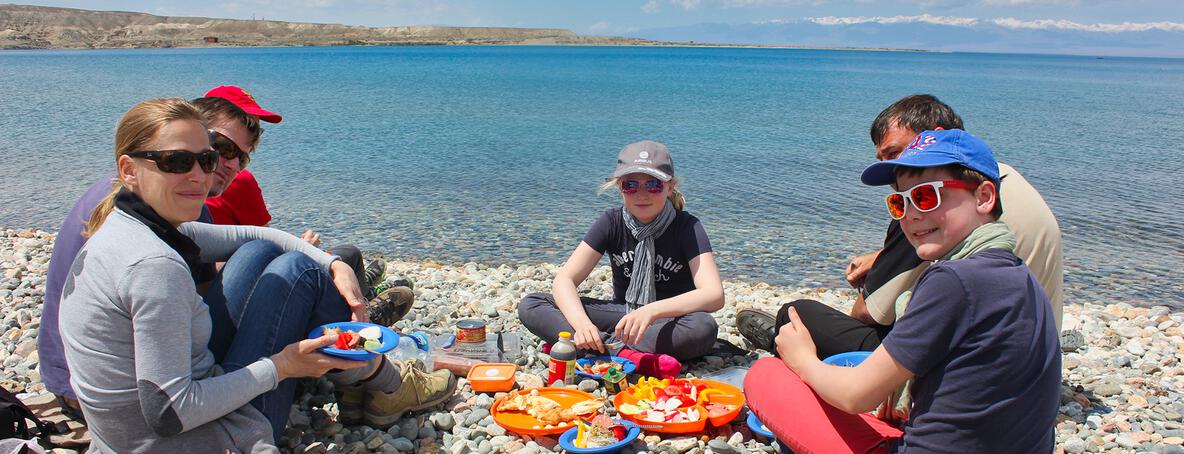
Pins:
x,y
589,385
442,421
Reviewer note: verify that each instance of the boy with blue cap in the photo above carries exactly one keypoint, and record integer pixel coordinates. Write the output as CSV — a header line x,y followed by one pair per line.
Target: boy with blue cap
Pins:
x,y
977,339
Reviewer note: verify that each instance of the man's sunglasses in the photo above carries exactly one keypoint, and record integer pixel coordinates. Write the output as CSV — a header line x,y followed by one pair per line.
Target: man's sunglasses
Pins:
x,y
179,161
228,149
631,186
925,197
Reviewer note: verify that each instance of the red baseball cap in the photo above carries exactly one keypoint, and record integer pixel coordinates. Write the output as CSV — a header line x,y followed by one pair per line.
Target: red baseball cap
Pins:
x,y
244,101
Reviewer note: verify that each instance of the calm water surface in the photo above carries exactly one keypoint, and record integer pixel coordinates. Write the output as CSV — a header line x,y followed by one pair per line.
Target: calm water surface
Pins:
x,y
493,154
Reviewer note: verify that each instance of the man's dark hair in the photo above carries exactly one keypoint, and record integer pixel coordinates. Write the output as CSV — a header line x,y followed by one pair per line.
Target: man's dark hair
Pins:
x,y
217,110
916,113
961,173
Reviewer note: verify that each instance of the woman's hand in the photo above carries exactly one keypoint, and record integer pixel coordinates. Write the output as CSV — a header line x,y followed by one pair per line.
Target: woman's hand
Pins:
x,y
347,285
301,359
311,237
587,337
632,326
794,343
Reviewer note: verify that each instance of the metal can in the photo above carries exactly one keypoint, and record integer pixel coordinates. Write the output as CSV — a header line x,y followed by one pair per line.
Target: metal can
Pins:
x,y
614,381
470,331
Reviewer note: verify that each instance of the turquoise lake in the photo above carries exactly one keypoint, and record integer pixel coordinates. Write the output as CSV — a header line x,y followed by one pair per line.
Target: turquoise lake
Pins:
x,y
493,154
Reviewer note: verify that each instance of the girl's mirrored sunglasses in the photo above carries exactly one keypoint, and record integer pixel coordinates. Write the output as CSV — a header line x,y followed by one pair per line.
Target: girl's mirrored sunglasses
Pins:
x,y
179,161
925,197
228,149
631,186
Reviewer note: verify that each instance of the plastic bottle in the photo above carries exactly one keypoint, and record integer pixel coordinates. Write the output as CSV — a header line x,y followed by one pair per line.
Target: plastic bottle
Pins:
x,y
409,348
563,361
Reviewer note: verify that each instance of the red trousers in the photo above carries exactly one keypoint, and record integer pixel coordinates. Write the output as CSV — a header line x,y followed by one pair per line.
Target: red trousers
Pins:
x,y
804,422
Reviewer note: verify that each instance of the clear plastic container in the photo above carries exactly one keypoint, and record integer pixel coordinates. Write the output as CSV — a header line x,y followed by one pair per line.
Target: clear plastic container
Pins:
x,y
497,348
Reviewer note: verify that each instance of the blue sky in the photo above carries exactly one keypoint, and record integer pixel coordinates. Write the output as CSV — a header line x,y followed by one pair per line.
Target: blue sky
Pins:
x,y
626,16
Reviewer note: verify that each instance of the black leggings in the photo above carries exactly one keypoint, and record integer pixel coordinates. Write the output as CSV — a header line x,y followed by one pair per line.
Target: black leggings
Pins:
x,y
834,332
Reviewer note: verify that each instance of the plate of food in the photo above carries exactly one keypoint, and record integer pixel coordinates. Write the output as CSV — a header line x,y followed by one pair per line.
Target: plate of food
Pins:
x,y
759,427
601,435
595,366
544,411
358,341
679,405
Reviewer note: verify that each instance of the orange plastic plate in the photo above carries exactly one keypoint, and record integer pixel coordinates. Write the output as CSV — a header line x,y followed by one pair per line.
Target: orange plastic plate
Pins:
x,y
730,395
525,424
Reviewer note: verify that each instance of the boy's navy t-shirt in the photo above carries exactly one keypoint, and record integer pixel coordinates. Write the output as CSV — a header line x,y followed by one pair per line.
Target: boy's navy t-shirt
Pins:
x,y
980,338
683,240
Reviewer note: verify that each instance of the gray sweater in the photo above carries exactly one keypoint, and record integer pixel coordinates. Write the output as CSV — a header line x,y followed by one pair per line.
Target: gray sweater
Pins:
x,y
135,332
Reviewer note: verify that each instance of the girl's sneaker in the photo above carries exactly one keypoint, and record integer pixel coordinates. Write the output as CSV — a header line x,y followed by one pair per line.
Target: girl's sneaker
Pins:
x,y
653,364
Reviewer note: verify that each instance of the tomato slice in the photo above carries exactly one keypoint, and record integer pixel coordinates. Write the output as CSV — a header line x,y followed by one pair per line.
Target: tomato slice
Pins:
x,y
673,390
342,341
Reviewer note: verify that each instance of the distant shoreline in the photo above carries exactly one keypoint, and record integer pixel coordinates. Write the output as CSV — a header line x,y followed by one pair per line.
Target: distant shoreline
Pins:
x,y
664,44
26,27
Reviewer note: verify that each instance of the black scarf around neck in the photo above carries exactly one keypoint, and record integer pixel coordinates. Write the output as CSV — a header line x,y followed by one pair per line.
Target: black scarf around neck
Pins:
x,y
134,206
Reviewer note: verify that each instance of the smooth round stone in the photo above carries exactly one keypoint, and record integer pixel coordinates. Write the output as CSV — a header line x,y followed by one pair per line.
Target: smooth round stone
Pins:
x,y
589,385
442,421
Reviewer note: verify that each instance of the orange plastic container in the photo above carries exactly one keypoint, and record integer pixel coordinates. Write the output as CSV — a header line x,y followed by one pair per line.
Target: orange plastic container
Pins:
x,y
492,377
729,395
525,424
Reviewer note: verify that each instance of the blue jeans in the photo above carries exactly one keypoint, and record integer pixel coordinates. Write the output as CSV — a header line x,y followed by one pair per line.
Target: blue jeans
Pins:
x,y
263,300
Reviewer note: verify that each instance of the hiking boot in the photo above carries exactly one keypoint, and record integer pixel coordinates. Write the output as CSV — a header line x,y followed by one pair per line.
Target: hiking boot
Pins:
x,y
419,390
375,273
758,327
391,305
350,401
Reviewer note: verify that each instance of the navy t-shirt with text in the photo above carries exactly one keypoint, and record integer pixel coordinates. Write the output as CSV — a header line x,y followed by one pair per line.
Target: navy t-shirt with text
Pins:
x,y
683,240
980,338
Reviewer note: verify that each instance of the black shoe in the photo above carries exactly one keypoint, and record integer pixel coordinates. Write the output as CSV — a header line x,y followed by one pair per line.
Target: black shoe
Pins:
x,y
758,328
390,305
375,272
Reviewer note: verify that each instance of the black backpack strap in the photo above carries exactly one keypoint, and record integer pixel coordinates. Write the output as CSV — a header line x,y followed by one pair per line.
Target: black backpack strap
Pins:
x,y
12,408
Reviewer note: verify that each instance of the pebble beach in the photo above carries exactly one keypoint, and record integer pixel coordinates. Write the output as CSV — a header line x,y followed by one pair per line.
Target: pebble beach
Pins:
x,y
1123,379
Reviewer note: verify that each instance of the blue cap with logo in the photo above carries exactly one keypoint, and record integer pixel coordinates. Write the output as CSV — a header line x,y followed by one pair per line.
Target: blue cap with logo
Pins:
x,y
934,149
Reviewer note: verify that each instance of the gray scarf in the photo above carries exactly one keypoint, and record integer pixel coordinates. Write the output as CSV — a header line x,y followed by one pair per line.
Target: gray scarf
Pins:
x,y
641,285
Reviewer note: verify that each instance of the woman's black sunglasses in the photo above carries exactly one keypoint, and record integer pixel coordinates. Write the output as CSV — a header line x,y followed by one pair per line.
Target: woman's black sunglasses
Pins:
x,y
228,149
179,161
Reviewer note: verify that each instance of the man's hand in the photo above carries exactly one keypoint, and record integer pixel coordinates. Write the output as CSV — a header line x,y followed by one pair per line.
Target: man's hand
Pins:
x,y
301,359
347,285
632,326
859,267
859,311
794,343
311,237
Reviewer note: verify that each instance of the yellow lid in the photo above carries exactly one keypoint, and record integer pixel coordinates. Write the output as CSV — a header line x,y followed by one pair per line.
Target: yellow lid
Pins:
x,y
564,334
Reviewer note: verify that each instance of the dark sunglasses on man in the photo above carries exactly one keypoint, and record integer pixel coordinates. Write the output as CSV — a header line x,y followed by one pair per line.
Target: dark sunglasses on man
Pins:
x,y
228,149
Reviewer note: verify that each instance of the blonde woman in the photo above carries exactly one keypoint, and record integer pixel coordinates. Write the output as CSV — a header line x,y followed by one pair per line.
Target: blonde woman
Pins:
x,y
136,331
665,280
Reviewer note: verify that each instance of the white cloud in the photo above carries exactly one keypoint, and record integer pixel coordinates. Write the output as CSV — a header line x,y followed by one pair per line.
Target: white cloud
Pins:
x,y
1031,2
599,26
1008,22
1061,24
926,18
748,3
651,7
686,4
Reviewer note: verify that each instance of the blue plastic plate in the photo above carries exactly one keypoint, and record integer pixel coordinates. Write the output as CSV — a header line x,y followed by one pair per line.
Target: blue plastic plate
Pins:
x,y
849,359
758,427
568,438
390,339
626,365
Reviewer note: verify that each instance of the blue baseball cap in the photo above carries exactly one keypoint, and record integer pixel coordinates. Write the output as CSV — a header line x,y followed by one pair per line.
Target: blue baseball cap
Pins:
x,y
937,148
